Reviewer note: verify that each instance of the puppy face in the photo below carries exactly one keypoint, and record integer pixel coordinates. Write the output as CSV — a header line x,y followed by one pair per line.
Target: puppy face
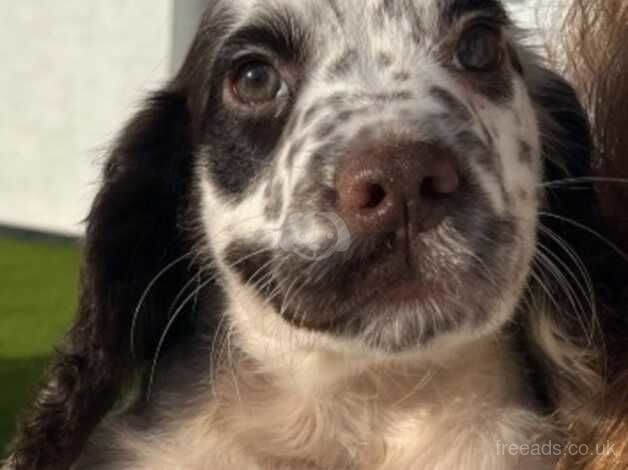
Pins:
x,y
369,170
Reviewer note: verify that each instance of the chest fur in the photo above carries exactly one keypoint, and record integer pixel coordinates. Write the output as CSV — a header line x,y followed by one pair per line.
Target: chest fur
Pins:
x,y
476,416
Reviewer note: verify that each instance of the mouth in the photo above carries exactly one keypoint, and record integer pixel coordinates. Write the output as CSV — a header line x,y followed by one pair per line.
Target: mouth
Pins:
x,y
386,292
373,283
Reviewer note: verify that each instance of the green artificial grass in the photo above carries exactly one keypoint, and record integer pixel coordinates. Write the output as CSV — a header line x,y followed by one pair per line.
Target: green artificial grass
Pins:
x,y
38,283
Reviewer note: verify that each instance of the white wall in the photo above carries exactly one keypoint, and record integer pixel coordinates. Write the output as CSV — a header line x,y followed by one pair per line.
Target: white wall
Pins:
x,y
72,72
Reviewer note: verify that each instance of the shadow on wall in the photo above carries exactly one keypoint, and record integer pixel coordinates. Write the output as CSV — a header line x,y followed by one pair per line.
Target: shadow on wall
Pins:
x,y
17,379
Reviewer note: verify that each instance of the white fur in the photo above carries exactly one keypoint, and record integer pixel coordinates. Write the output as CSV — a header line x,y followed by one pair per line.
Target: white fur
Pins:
x,y
450,414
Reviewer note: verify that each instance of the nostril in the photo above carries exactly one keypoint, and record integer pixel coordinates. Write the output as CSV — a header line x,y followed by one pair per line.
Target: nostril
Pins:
x,y
363,196
443,180
374,195
432,188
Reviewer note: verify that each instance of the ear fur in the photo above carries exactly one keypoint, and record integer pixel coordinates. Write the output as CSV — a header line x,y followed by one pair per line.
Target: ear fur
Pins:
x,y
577,212
135,229
575,230
141,263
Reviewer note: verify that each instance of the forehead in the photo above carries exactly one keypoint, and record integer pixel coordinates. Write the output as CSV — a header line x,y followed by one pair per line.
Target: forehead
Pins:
x,y
358,19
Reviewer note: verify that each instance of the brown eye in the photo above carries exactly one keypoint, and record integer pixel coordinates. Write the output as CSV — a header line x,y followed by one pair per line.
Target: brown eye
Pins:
x,y
480,49
257,83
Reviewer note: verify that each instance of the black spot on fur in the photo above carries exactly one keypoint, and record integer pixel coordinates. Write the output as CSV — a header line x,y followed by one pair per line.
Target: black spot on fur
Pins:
x,y
488,137
325,130
295,148
345,64
345,115
311,113
452,104
274,200
403,95
338,12
472,145
401,76
498,232
384,60
385,9
525,153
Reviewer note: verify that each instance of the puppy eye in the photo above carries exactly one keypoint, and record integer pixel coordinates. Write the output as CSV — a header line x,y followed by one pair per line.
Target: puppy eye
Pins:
x,y
257,83
480,49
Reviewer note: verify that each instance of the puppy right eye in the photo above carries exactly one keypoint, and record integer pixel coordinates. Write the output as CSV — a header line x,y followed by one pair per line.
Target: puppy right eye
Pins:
x,y
257,83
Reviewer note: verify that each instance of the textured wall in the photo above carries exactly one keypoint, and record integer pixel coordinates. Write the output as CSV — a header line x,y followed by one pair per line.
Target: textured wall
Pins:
x,y
72,71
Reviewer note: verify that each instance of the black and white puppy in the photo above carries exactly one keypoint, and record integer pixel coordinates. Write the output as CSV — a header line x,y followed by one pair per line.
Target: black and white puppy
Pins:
x,y
315,249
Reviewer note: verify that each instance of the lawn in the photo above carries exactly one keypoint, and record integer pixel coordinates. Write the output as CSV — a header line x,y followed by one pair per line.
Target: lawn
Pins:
x,y
37,298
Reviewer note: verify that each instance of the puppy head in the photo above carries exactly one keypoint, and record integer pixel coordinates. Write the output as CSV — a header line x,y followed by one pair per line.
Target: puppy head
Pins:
x,y
370,172
366,177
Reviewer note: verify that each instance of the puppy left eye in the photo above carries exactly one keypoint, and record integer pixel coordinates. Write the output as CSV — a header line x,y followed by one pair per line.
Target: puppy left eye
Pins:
x,y
480,49
258,83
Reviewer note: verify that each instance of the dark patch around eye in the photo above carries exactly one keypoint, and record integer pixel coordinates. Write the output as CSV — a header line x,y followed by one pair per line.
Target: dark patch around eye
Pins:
x,y
240,146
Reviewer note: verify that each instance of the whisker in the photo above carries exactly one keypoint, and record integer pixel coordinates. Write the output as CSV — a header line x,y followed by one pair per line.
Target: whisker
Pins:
x,y
589,230
571,253
144,295
169,325
583,179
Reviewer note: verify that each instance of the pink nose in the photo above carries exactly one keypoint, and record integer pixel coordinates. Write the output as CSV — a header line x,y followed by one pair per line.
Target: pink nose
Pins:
x,y
387,186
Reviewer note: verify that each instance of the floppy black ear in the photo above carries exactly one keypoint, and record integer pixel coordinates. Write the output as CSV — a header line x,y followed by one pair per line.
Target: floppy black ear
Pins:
x,y
578,238
136,229
139,268
572,211
570,196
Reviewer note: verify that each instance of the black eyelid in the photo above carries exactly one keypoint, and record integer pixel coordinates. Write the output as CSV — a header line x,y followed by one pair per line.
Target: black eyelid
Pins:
x,y
239,56
488,23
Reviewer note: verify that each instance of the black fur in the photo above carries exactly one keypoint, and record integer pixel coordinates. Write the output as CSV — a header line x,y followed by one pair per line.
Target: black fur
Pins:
x,y
135,228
